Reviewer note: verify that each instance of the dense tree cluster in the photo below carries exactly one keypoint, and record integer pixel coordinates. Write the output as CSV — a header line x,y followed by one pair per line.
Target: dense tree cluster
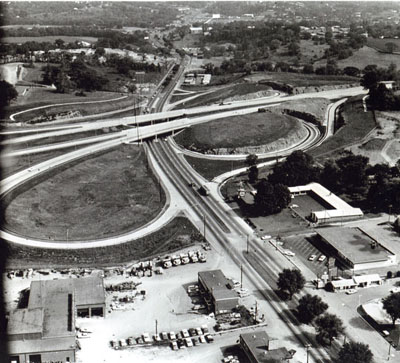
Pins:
x,y
290,282
310,307
391,304
270,198
7,93
355,352
328,328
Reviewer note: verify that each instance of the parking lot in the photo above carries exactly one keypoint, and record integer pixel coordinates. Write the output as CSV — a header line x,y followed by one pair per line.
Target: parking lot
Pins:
x,y
303,249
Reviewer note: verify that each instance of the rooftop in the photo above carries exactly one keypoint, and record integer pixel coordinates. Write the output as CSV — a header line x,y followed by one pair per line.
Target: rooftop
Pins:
x,y
25,321
257,343
213,279
354,244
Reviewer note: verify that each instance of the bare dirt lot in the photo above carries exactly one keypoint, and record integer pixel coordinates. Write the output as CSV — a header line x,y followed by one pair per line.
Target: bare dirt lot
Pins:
x,y
101,196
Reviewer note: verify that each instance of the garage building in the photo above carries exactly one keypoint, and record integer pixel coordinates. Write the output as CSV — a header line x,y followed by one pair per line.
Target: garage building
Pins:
x,y
355,249
216,288
45,330
259,347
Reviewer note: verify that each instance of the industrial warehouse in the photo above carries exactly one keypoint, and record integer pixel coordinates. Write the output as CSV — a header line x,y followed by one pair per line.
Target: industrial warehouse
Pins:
x,y
354,249
45,330
219,296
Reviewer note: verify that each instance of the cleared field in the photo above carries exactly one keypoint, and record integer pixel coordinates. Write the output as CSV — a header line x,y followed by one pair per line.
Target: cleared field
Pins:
x,y
48,38
366,56
238,131
93,198
357,125
302,80
232,91
179,233
381,43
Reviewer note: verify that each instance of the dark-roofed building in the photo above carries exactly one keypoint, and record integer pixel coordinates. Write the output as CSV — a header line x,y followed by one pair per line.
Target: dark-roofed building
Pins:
x,y
259,347
218,294
45,330
355,249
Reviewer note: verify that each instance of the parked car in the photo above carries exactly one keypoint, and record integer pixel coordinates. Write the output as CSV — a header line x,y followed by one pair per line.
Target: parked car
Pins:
x,y
351,291
322,258
195,341
199,331
156,338
312,257
202,339
192,332
188,342
123,343
185,333
172,335
146,337
164,335
267,236
209,338
131,341
174,345
204,328
140,340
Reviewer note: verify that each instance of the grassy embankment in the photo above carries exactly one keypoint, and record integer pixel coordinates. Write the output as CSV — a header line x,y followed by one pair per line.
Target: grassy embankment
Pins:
x,y
358,124
179,233
96,197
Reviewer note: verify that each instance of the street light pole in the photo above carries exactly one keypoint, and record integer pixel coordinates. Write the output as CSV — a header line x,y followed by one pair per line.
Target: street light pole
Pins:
x,y
156,327
241,276
204,220
247,244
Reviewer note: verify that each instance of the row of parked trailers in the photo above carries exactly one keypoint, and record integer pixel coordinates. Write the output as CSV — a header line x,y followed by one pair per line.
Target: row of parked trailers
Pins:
x,y
183,258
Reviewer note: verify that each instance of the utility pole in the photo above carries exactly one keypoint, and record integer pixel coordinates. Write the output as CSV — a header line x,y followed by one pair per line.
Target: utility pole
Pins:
x,y
204,221
247,249
241,276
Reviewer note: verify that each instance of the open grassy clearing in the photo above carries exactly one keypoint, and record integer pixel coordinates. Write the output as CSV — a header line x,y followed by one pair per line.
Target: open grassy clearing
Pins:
x,y
49,38
303,80
99,196
238,131
236,91
357,125
366,56
380,44
209,169
179,233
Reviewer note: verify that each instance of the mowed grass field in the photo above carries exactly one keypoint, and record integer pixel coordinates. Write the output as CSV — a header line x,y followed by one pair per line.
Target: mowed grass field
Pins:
x,y
49,38
177,234
238,131
101,196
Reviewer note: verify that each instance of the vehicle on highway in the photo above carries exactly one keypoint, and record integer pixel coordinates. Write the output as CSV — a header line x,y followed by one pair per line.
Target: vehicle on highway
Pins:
x,y
267,236
288,253
312,257
204,190
351,291
322,258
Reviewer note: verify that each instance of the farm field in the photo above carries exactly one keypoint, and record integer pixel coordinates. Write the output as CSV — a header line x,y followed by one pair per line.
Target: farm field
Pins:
x,y
49,38
96,197
239,131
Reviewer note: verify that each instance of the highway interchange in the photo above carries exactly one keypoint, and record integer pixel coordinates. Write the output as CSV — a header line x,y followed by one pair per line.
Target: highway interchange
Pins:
x,y
212,216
